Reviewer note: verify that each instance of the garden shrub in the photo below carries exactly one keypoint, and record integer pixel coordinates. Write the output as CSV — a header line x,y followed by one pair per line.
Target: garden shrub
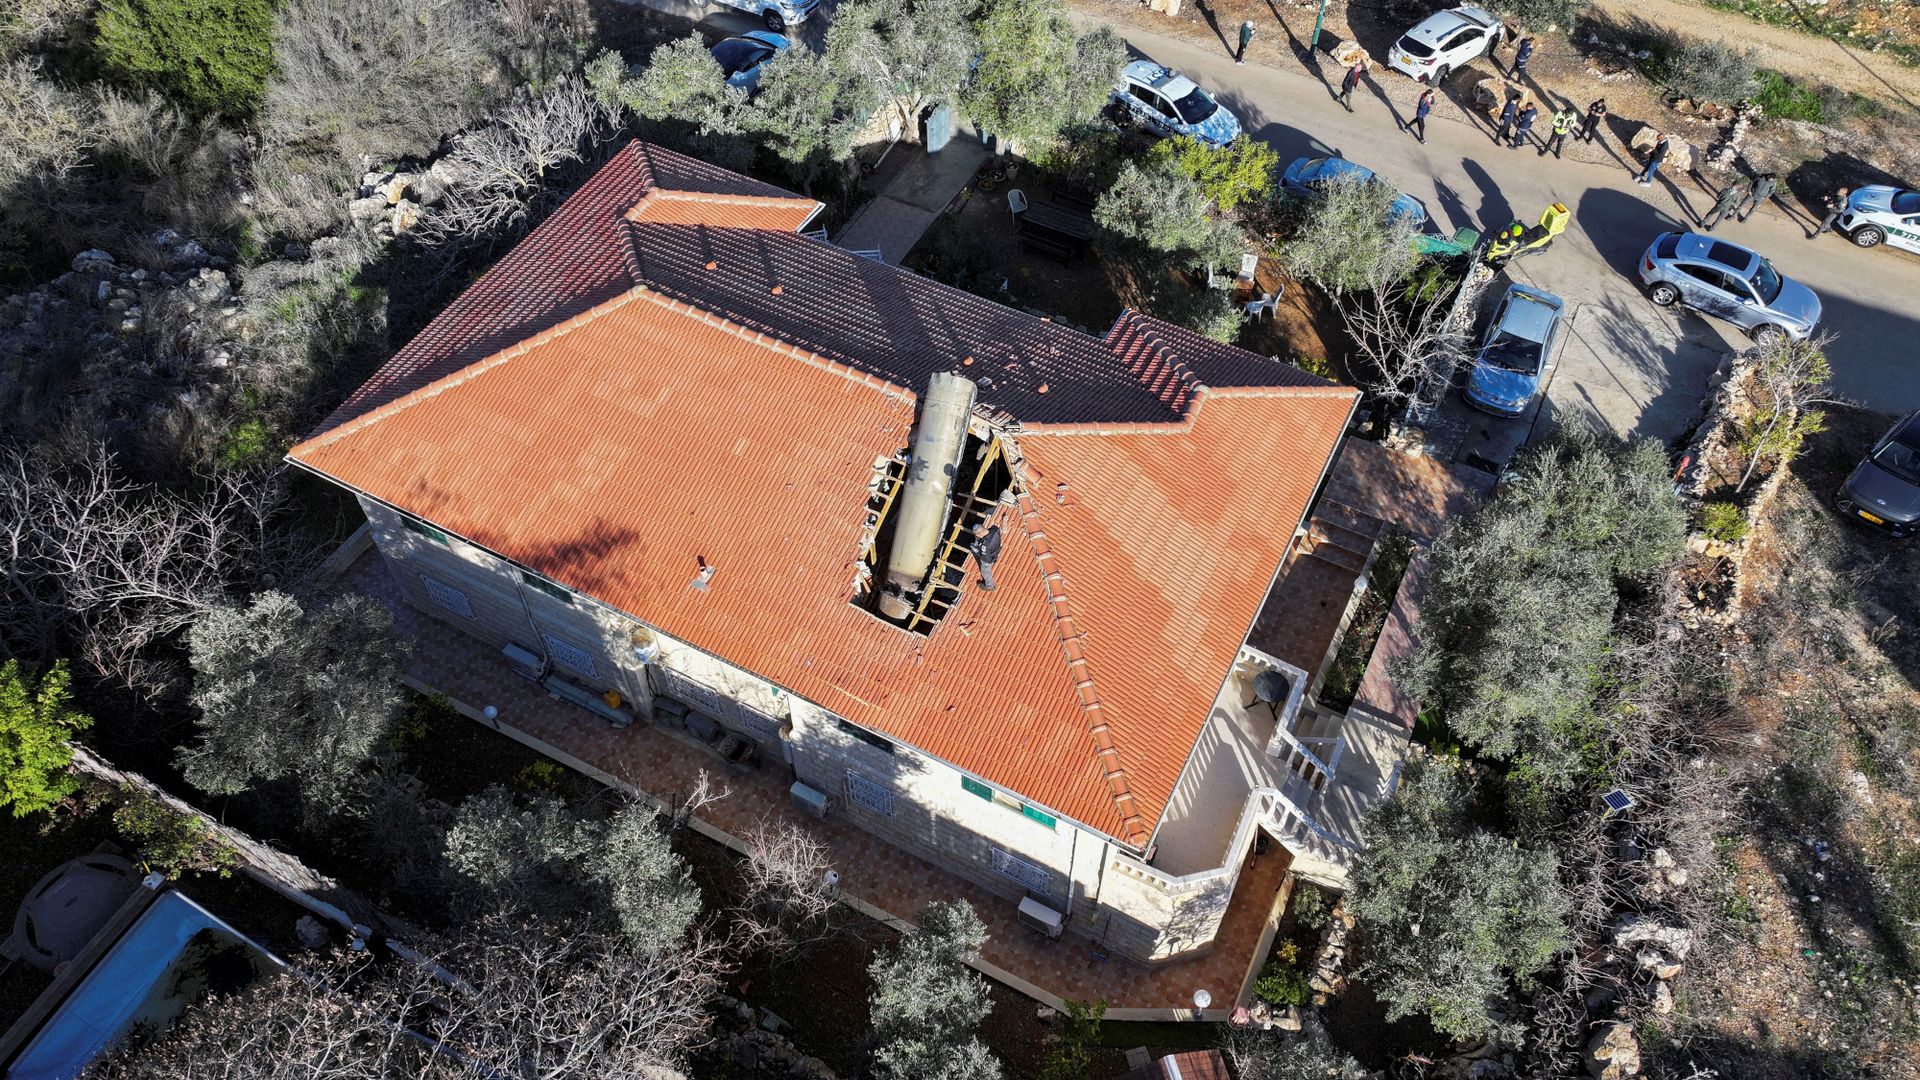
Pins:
x,y
1712,71
1784,99
1723,521
169,841
212,56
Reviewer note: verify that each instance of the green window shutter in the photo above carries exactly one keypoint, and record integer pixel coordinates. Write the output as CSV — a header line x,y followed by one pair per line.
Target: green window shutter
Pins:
x,y
975,787
424,529
1037,816
558,592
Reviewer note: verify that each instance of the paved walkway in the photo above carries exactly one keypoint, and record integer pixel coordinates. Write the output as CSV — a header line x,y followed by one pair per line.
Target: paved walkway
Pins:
x,y
880,880
910,202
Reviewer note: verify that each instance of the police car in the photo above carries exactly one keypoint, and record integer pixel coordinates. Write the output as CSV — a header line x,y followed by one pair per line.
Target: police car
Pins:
x,y
1172,104
1881,213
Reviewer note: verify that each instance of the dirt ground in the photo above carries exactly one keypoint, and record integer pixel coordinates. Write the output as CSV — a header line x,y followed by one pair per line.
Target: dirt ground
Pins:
x,y
1817,975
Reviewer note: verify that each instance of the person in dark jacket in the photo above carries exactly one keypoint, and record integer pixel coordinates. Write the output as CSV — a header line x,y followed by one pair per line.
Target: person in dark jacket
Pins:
x,y
1246,39
1352,80
1655,156
986,552
1507,112
1522,57
1730,199
1835,204
1596,116
1763,190
1523,127
1418,125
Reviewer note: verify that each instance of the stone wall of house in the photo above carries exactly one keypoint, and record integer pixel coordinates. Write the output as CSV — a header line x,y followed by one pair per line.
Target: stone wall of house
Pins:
x,y
988,840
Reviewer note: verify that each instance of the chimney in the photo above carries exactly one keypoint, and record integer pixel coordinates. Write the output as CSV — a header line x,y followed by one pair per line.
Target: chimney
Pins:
x,y
923,507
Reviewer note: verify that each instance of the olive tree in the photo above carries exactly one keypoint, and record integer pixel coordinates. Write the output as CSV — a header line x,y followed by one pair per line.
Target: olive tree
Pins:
x,y
288,694
1036,75
1516,626
927,1002
910,54
1162,209
1454,917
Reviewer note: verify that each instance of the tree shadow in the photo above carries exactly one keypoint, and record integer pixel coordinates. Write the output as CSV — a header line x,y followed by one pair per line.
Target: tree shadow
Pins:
x,y
1213,23
1813,178
1495,211
1298,48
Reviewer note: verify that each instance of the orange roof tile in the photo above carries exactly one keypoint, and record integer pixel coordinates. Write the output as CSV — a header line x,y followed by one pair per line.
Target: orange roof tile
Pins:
x,y
695,418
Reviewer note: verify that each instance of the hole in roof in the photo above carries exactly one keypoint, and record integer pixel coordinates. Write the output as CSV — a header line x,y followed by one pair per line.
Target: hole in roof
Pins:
x,y
980,479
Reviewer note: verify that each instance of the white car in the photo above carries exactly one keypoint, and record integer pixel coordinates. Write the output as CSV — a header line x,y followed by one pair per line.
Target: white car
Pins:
x,y
775,15
1170,103
1445,42
1882,213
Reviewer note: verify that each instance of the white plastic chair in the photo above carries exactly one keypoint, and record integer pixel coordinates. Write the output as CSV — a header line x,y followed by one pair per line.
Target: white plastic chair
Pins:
x,y
1016,201
1248,264
1262,306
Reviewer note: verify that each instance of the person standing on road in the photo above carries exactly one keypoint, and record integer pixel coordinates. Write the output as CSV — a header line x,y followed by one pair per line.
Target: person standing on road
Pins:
x,y
1507,112
1523,128
1835,204
1655,156
1730,199
1522,57
1596,116
1418,125
1562,124
1352,80
1763,190
1246,39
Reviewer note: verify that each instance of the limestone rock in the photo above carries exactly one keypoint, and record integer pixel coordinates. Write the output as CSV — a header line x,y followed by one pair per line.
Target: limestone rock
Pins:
x,y
1662,858
371,208
1662,998
1675,941
395,187
1613,1053
406,214
209,287
91,260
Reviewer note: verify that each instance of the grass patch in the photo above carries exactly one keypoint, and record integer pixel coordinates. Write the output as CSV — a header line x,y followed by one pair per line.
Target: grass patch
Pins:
x,y
1782,98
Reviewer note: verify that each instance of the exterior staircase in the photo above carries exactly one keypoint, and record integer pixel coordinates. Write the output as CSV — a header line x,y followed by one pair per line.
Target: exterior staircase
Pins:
x,y
1341,535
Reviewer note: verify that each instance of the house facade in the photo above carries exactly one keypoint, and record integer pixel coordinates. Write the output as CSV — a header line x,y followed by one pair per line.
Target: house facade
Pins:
x,y
685,464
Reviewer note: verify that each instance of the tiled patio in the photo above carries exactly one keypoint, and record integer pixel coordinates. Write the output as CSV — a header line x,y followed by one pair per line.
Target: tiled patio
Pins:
x,y
878,878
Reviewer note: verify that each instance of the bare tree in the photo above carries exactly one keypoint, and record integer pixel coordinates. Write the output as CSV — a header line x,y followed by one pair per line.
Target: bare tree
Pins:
x,y
508,1003
505,171
789,892
1353,244
104,568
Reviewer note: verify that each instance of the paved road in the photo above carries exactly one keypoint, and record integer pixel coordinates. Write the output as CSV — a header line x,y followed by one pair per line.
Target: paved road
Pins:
x,y
1634,366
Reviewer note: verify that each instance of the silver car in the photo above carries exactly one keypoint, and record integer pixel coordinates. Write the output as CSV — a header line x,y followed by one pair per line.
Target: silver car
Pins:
x,y
1727,281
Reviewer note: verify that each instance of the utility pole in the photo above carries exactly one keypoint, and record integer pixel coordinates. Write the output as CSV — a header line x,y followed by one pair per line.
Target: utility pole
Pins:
x,y
1318,17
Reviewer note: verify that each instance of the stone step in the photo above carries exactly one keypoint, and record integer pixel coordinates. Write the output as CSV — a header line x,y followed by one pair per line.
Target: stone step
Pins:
x,y
1344,558
1328,532
1348,517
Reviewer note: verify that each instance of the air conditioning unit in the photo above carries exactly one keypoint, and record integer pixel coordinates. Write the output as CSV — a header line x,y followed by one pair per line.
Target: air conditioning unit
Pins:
x,y
813,802
526,662
1040,917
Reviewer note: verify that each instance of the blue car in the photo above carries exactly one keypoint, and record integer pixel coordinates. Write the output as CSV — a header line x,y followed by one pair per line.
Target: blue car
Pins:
x,y
1511,366
1307,177
743,58
1170,103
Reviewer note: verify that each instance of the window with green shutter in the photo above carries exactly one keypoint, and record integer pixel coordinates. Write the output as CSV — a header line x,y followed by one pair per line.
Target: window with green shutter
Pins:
x,y
558,592
1037,816
414,525
975,787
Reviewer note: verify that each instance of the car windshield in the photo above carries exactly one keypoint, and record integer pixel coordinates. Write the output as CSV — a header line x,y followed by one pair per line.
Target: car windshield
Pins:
x,y
1513,354
1766,282
1901,459
1414,47
738,54
1906,202
1196,107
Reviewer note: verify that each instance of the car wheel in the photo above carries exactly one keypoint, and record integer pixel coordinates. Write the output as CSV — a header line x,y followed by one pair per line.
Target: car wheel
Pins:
x,y
1768,335
1663,294
1440,74
773,20
1867,236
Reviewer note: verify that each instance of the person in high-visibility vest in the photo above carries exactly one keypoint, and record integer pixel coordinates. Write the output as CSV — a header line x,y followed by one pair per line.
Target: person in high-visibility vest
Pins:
x,y
1563,118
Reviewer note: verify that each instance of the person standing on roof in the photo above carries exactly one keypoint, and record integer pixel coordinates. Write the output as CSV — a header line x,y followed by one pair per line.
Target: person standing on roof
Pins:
x,y
1418,125
1246,39
1523,127
1522,57
986,552
1563,118
1507,112
1352,80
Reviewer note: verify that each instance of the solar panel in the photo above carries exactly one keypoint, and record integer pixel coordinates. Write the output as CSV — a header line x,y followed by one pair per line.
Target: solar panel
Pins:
x,y
1617,800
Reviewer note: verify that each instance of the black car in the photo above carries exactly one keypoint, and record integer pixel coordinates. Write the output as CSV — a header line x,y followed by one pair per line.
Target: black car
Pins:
x,y
1884,490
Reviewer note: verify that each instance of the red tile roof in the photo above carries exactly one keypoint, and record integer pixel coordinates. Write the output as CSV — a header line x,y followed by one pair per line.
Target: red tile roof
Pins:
x,y
662,404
